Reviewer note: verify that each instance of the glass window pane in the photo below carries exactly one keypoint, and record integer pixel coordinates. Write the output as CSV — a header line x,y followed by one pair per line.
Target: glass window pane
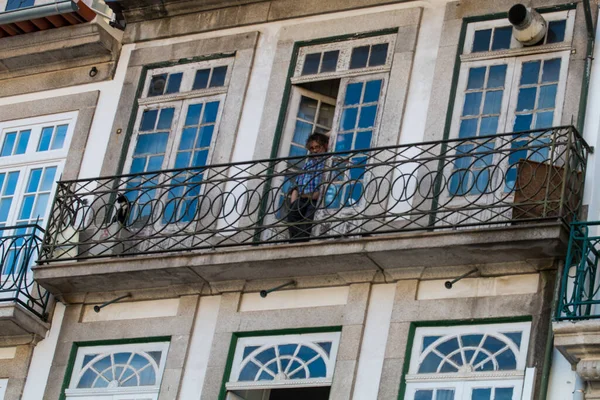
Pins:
x,y
200,158
472,104
359,57
326,115
330,59
27,207
174,83
311,64
48,179
378,54
165,119
218,76
183,159
23,142
353,93
363,140
372,91
522,123
157,85
188,138
468,128
40,206
367,117
201,79
556,31
504,394
547,96
424,395
502,38
497,76
302,132
544,120
493,102
59,137
148,120
137,165
155,163
307,109
45,138
210,112
476,78
193,114
11,183
551,70
526,99
481,394
206,133
481,40
34,180
154,143
16,4
9,143
348,121
445,394
5,208
343,142
530,73
489,126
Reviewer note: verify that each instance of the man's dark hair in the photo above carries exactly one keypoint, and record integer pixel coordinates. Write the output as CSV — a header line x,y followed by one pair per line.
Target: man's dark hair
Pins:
x,y
320,138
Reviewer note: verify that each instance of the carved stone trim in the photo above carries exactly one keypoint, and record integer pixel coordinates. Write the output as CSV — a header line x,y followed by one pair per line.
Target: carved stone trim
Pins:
x,y
589,369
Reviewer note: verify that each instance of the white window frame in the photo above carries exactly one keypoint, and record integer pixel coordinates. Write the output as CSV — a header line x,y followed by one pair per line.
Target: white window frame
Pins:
x,y
343,65
461,380
310,338
3,386
517,48
32,159
72,392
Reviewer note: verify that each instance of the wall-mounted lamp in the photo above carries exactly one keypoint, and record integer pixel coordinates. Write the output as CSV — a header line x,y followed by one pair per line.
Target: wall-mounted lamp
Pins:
x,y
449,284
264,293
93,72
101,306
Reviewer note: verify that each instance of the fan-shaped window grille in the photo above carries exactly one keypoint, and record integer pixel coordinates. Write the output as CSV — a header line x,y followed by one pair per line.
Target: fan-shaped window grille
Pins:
x,y
278,360
119,369
470,352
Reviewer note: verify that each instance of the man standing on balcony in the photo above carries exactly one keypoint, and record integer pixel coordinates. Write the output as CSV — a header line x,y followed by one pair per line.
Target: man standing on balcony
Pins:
x,y
304,197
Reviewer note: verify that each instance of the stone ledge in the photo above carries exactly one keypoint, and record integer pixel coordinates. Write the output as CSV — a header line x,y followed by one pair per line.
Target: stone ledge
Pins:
x,y
15,321
58,49
447,249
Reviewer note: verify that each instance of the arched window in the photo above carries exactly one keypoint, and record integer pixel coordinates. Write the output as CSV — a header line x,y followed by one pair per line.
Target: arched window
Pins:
x,y
467,362
109,371
275,361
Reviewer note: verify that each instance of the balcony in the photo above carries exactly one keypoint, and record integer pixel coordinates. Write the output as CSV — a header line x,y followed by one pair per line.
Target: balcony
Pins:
x,y
23,303
487,200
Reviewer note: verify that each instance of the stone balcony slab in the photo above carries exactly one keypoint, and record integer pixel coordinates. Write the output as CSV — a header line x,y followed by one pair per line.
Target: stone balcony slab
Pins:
x,y
17,321
406,251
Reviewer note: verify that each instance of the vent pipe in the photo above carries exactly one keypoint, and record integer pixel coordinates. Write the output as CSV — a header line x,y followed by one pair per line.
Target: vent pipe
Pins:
x,y
529,26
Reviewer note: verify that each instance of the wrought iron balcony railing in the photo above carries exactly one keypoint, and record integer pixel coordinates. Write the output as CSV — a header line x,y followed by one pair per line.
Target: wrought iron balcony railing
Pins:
x,y
501,179
19,248
580,288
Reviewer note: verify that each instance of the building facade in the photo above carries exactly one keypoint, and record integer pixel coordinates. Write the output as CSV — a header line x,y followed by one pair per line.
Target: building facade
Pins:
x,y
149,155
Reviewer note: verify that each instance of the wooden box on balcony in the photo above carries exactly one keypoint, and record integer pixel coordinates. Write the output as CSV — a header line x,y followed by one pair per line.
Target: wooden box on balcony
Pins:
x,y
538,191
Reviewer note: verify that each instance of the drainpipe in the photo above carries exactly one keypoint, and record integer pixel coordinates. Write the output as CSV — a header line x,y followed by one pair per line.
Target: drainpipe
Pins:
x,y
45,10
585,86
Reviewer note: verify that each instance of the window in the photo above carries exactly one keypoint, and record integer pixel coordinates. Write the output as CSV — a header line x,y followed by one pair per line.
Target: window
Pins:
x,y
176,127
283,367
338,89
118,372
520,89
32,156
16,4
480,362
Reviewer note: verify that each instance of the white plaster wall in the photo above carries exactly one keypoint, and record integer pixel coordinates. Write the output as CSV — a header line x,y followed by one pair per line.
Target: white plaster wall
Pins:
x,y
564,383
591,133
199,350
41,360
374,342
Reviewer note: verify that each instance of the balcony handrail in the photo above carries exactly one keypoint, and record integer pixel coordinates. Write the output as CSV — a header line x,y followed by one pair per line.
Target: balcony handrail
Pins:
x,y
508,178
19,248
